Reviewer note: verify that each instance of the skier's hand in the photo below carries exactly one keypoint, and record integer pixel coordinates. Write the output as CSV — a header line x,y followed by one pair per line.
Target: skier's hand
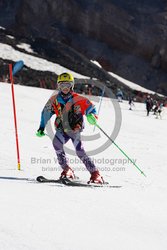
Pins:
x,y
92,119
77,128
40,132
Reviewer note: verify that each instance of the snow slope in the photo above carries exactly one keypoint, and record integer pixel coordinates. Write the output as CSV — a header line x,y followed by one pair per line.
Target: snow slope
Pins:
x,y
32,61
128,83
37,216
133,85
36,63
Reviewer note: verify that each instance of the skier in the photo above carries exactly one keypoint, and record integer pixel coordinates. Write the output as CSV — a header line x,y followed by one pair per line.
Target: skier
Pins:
x,y
155,107
159,111
119,95
131,102
148,103
69,108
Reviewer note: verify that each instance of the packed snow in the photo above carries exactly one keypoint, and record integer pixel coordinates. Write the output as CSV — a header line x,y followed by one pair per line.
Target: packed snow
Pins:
x,y
133,85
128,83
26,47
38,216
11,37
2,28
7,52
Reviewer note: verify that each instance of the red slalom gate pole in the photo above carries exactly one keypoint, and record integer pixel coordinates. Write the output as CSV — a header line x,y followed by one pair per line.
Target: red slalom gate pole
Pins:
x,y
15,118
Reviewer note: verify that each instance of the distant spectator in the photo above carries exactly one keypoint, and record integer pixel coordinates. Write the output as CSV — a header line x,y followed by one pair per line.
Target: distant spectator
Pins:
x,y
131,102
159,111
148,103
155,107
119,95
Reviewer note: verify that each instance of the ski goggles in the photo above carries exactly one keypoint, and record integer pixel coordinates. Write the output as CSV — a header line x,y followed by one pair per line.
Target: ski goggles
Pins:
x,y
65,85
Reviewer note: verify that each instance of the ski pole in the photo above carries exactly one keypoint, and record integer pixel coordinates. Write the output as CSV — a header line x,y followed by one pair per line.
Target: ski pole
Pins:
x,y
120,150
16,68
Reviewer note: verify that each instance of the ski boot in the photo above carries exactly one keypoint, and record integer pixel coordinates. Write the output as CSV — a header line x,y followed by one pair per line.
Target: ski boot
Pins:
x,y
68,173
96,178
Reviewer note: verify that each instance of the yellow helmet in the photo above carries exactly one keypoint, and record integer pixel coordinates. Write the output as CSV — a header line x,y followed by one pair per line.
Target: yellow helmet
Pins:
x,y
65,77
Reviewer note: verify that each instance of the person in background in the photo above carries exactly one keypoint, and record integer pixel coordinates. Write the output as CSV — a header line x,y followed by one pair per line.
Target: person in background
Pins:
x,y
131,102
155,106
119,95
148,103
159,111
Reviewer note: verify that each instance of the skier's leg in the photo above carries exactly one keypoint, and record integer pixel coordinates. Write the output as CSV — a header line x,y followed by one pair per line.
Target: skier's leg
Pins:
x,y
95,175
160,112
75,137
59,140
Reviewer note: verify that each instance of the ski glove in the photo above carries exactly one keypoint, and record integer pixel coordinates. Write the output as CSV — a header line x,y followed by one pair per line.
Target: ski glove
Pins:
x,y
40,132
92,119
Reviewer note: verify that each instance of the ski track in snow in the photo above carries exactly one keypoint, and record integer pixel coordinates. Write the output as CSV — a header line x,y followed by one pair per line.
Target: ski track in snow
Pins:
x,y
38,216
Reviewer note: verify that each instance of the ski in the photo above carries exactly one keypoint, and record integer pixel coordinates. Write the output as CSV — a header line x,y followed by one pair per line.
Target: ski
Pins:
x,y
61,182
11,178
42,179
73,183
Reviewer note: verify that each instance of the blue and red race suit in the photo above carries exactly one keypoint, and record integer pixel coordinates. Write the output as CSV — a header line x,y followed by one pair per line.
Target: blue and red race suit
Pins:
x,y
69,111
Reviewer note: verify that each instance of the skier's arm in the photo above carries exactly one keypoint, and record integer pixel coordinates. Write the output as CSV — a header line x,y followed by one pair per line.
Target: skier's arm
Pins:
x,y
45,117
88,109
91,114
92,119
46,114
91,110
